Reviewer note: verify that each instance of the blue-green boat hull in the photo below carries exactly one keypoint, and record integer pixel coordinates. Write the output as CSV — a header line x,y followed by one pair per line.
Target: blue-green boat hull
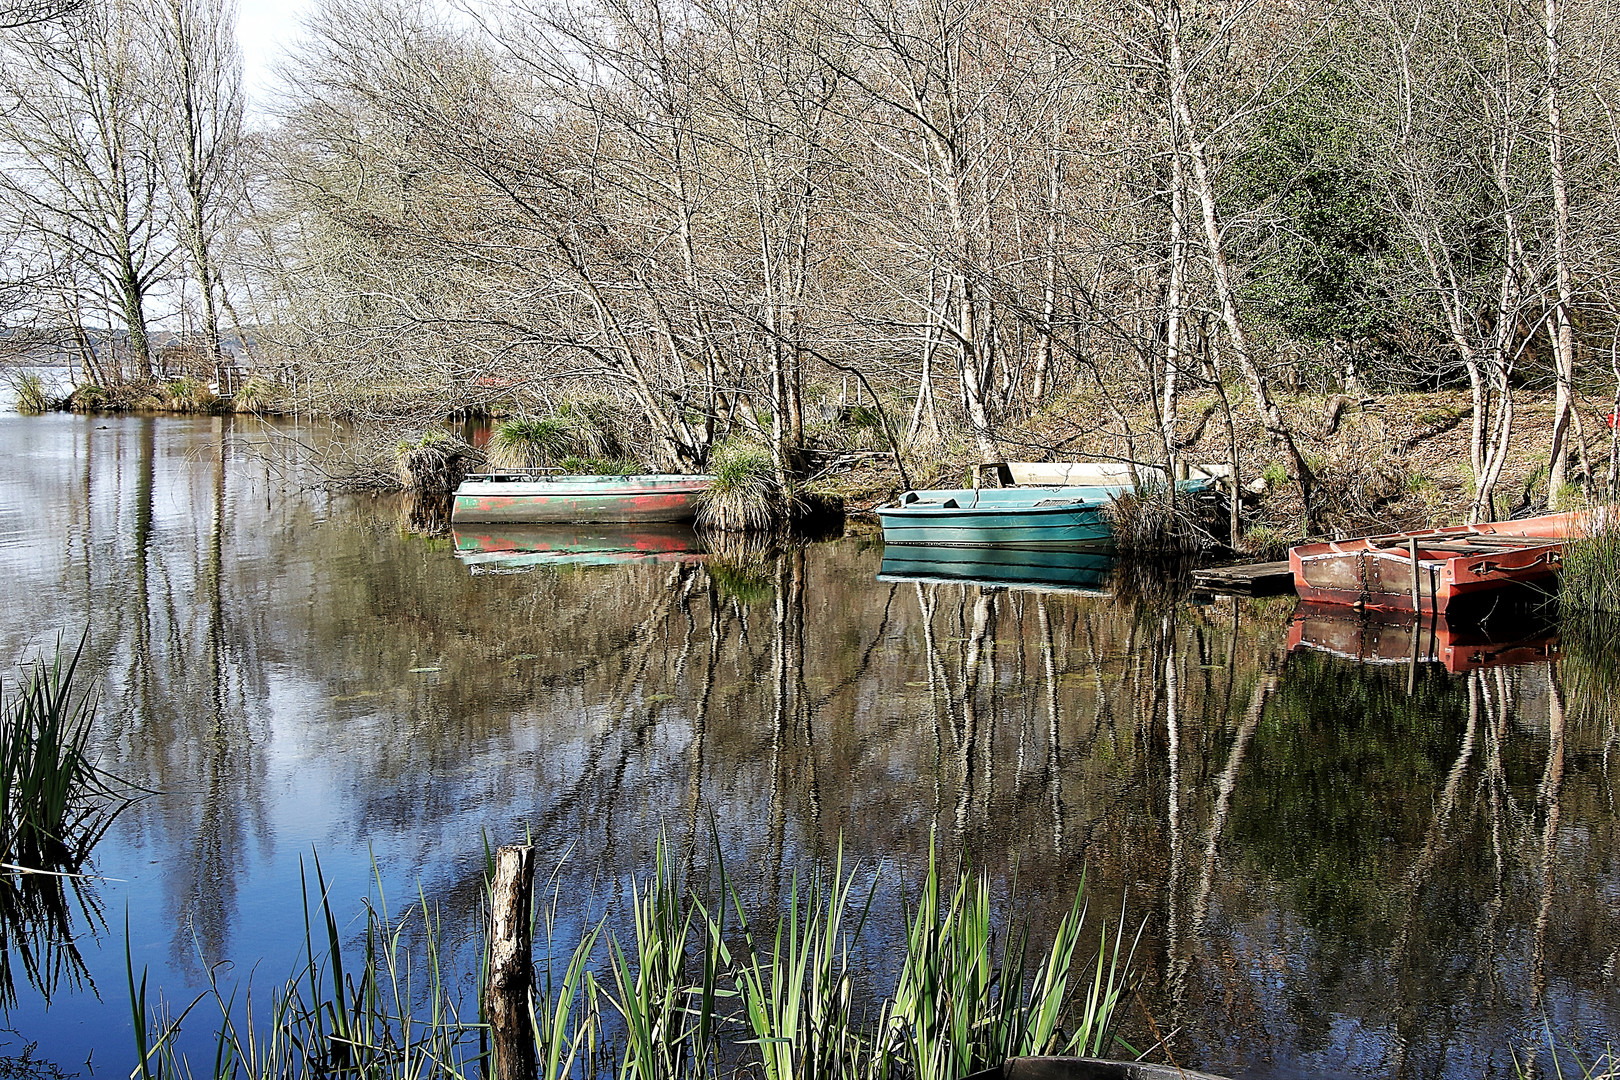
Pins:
x,y
1008,517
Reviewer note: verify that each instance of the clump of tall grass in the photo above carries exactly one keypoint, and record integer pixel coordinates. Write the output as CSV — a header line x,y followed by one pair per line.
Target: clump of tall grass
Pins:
x,y
691,989
188,395
437,463
579,430
745,494
33,395
1147,523
55,803
1591,571
258,394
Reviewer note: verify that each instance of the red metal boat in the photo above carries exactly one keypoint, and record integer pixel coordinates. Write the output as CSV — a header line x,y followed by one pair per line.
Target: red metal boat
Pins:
x,y
1436,569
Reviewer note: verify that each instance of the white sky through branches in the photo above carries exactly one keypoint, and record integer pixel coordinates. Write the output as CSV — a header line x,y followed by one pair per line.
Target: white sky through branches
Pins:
x,y
266,28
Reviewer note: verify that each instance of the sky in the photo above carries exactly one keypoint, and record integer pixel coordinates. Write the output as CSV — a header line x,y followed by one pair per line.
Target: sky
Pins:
x,y
265,28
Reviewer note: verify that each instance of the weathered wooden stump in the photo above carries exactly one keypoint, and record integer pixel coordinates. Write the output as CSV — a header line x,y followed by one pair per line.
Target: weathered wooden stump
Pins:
x,y
511,966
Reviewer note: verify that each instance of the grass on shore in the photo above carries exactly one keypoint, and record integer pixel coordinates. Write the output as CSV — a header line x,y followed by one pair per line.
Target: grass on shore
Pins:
x,y
693,990
1591,571
437,463
33,396
746,494
576,432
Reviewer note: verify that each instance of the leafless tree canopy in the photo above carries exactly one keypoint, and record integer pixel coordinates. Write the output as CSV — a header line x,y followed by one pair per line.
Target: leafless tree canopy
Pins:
x,y
747,215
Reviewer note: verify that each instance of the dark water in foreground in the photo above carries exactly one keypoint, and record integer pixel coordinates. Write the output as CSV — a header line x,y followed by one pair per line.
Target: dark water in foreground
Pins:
x,y
1340,877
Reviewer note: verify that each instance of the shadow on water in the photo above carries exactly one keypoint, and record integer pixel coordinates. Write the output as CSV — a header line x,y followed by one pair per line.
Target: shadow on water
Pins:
x,y
1345,868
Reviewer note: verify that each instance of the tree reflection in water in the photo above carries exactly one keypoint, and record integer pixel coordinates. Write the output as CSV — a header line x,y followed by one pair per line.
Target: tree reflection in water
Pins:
x,y
1337,874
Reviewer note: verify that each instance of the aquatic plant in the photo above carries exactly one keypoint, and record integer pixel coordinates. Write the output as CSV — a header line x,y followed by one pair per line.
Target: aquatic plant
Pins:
x,y
54,802
958,1009
695,990
578,430
33,396
746,494
386,1014
1565,1060
436,463
258,394
1591,572
189,395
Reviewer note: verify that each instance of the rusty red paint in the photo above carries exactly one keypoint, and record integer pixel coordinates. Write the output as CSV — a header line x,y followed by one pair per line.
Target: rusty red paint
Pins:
x,y
1375,573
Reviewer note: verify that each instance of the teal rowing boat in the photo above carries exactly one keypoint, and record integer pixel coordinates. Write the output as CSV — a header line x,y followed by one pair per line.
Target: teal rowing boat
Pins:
x,y
1025,517
1002,517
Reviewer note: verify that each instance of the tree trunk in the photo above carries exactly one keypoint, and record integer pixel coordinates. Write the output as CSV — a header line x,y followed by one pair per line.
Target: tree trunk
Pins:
x,y
1560,330
1270,415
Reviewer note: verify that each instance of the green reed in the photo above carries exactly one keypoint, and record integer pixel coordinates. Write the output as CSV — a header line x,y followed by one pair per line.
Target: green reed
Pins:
x,y
1591,570
694,989
54,801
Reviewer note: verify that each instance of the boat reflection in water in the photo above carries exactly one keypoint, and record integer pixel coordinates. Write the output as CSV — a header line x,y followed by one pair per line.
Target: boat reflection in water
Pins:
x,y
503,548
1044,570
1397,637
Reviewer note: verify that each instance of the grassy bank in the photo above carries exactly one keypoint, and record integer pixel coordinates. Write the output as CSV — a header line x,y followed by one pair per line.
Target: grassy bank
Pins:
x,y
1591,574
691,987
186,396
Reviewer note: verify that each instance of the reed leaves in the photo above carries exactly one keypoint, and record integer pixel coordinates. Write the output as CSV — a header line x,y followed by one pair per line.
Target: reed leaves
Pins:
x,y
691,988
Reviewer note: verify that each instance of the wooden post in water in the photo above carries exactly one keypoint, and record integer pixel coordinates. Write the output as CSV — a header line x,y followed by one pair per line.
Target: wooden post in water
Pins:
x,y
511,966
1417,588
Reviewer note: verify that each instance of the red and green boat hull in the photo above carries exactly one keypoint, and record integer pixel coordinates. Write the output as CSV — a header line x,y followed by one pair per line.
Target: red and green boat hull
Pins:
x,y
581,500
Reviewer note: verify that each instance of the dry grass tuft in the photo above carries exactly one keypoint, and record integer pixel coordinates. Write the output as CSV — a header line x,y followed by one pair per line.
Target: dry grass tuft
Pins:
x,y
1146,523
437,464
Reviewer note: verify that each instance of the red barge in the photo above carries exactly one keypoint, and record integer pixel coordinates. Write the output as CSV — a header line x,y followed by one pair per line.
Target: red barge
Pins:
x,y
1436,569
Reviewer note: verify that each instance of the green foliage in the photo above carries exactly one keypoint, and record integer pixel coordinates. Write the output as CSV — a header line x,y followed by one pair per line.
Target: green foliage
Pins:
x,y
576,430
54,802
681,981
958,1008
746,494
1591,574
1275,475
1320,276
384,1015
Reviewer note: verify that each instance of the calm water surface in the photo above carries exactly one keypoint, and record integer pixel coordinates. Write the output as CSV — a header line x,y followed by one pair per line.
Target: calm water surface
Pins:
x,y
1340,876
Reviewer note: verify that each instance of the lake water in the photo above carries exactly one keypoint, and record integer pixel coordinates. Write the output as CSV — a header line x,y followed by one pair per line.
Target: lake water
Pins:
x,y
1344,869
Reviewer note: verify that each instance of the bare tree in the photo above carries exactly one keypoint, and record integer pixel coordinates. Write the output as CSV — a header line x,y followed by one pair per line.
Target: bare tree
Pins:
x,y
194,43
79,131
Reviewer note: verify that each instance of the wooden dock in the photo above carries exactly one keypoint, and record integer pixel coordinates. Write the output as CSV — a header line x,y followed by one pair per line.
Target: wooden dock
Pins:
x,y
1251,579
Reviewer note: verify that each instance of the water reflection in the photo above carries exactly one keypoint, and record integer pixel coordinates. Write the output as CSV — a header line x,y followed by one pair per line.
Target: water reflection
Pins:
x,y
1396,637
511,547
1344,868
1048,571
